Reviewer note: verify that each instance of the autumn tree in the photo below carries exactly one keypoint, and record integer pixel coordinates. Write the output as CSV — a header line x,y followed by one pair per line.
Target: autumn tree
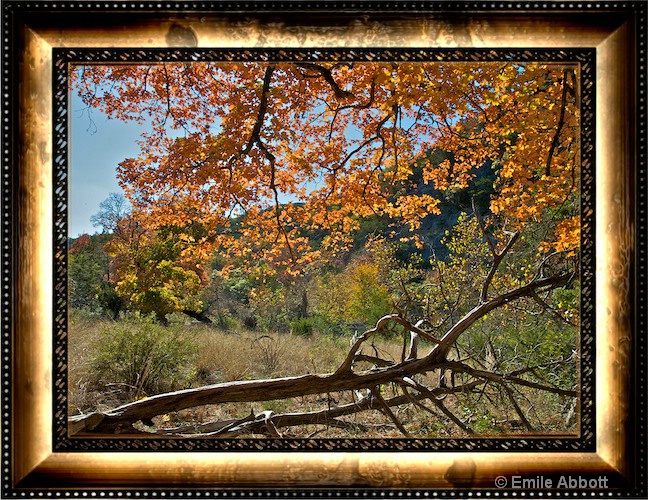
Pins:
x,y
289,146
147,271
111,212
153,272
279,164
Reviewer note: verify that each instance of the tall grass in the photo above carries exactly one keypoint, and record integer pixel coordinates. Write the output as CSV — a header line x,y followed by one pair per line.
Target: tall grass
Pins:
x,y
225,356
84,335
111,363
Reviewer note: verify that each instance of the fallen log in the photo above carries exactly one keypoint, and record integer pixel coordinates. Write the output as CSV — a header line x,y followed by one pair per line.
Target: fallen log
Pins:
x,y
121,419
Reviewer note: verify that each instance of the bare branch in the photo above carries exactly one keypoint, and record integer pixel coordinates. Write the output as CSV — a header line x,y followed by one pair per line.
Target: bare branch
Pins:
x,y
413,350
267,420
497,256
375,391
518,410
343,379
348,362
453,417
497,377
373,359
553,310
438,402
484,308
328,417
543,365
235,423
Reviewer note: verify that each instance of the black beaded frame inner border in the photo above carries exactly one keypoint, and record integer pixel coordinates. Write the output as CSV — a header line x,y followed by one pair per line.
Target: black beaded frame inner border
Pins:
x,y
584,58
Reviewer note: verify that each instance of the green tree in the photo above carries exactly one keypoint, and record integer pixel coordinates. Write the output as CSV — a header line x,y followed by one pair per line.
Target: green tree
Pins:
x,y
89,276
153,273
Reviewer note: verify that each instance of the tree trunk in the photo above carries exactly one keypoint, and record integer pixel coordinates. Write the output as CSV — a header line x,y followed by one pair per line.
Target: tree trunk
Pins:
x,y
200,316
161,317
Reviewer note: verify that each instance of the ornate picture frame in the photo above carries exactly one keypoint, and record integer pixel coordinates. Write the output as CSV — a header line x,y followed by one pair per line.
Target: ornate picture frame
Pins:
x,y
41,38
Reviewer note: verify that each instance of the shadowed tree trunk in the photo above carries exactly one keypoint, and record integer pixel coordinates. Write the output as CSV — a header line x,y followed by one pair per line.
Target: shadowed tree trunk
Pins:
x,y
200,316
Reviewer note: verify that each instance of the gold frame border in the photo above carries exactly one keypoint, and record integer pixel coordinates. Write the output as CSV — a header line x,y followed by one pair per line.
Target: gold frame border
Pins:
x,y
36,466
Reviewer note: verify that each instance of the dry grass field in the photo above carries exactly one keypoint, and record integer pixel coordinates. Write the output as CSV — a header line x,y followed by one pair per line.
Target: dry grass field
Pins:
x,y
215,356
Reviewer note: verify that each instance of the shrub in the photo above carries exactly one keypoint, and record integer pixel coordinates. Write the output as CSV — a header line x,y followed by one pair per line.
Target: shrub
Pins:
x,y
304,326
144,357
268,351
322,324
250,322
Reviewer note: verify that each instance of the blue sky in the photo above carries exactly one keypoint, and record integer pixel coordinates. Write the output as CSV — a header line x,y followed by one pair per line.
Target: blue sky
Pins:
x,y
98,144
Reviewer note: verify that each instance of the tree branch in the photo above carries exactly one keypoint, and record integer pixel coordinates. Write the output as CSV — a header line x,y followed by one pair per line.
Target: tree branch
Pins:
x,y
518,410
561,121
438,402
497,256
328,77
329,417
120,419
263,107
497,377
375,391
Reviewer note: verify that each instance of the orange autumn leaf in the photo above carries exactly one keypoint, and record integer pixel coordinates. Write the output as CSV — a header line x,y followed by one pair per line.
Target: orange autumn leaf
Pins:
x,y
264,155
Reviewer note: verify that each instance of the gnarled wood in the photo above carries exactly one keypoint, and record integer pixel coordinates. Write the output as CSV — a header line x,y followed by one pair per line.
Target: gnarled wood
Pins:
x,y
343,379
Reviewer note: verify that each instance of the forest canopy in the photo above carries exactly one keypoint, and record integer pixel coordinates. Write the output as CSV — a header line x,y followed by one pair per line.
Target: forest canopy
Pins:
x,y
255,158
432,196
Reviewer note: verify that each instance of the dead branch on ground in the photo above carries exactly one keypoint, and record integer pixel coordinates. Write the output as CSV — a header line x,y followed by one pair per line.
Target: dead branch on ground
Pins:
x,y
406,374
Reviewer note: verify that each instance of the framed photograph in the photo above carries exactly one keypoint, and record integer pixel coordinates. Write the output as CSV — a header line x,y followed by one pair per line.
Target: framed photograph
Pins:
x,y
324,248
